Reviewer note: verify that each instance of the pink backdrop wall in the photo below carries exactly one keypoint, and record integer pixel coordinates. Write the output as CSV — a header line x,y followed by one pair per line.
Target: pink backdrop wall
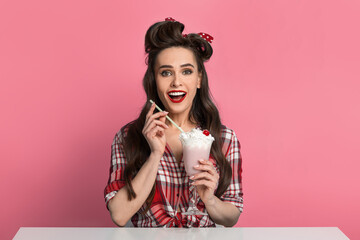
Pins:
x,y
285,76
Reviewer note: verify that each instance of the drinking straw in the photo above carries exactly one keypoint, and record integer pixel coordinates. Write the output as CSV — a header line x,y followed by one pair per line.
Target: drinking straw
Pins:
x,y
157,107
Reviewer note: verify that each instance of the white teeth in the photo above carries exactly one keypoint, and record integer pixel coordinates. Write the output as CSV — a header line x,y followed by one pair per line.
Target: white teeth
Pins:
x,y
176,93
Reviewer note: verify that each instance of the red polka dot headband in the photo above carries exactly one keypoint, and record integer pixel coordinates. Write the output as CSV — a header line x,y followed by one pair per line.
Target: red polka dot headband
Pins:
x,y
203,35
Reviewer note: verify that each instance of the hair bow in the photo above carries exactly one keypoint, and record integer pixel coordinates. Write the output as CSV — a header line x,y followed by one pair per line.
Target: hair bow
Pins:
x,y
203,35
170,19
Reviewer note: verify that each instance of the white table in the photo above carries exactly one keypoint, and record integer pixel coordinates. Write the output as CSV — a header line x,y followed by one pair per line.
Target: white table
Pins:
x,y
244,233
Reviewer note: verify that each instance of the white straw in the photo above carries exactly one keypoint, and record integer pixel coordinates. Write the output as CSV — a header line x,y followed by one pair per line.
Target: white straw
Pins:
x,y
157,107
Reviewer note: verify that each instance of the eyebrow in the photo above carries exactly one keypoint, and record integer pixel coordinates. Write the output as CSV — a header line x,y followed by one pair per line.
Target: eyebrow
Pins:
x,y
183,65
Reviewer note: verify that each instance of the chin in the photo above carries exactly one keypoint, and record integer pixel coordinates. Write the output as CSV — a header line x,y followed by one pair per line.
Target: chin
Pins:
x,y
178,109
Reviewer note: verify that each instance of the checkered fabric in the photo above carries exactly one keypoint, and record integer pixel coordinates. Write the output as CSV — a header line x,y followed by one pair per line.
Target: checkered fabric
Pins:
x,y
173,188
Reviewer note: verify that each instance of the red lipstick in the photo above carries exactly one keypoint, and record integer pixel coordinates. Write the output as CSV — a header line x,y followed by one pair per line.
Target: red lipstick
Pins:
x,y
177,98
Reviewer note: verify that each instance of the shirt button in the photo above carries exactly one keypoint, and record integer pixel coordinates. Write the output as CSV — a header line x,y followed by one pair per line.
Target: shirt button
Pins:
x,y
177,194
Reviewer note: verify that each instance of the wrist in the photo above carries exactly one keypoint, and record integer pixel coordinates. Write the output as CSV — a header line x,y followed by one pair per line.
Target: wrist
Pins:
x,y
156,154
210,202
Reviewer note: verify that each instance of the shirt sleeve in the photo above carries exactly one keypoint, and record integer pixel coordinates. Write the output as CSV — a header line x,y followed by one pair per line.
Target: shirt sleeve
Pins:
x,y
234,193
116,175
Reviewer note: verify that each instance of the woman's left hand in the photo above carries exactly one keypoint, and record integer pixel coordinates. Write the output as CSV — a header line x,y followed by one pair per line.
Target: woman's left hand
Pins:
x,y
206,181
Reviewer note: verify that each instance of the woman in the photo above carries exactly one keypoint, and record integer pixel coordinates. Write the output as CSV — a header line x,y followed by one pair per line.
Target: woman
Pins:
x,y
147,182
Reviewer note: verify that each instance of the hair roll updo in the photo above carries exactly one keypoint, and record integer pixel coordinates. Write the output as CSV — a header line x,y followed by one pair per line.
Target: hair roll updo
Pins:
x,y
166,34
160,36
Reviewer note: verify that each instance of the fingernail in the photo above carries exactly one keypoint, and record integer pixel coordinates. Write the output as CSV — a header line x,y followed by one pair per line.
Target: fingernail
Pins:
x,y
202,160
196,166
166,112
192,177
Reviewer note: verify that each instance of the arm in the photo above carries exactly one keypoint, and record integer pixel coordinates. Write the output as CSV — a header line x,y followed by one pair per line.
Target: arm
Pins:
x,y
223,213
226,209
120,207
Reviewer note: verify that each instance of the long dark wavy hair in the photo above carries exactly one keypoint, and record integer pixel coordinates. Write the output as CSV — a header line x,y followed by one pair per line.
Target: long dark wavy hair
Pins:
x,y
160,36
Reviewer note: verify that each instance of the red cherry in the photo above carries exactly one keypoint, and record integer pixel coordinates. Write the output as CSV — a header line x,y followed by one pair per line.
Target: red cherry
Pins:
x,y
206,132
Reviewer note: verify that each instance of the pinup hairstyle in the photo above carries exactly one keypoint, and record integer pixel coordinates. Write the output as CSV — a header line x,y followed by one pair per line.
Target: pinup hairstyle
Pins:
x,y
160,36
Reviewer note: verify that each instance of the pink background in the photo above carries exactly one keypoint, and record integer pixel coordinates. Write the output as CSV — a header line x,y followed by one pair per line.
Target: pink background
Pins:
x,y
285,76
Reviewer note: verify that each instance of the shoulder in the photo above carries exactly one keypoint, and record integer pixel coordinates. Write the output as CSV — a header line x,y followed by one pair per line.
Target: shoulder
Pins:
x,y
122,133
229,139
227,134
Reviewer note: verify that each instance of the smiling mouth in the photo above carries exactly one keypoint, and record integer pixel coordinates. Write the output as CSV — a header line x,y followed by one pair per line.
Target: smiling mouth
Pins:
x,y
177,96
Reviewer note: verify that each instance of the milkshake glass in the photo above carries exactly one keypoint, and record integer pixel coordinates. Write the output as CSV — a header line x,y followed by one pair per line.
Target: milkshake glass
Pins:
x,y
196,145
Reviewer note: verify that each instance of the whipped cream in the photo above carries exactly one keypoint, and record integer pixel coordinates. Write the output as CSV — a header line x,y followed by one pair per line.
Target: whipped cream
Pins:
x,y
195,138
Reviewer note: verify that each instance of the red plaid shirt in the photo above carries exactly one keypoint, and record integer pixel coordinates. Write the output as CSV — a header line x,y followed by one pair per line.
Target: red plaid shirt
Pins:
x,y
173,189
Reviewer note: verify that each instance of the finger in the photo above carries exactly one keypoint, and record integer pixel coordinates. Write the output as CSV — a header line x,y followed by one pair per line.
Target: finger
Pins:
x,y
152,118
158,115
151,133
157,131
204,175
153,124
151,110
155,116
207,168
209,163
163,119
151,130
205,183
160,133
206,162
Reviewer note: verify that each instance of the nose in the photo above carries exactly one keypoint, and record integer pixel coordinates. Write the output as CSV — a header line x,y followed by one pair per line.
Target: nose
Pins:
x,y
177,80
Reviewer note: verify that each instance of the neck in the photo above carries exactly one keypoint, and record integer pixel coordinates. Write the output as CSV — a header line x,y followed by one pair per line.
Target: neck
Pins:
x,y
182,120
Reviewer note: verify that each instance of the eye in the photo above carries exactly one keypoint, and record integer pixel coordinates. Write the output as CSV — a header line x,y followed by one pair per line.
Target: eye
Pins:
x,y
187,72
165,73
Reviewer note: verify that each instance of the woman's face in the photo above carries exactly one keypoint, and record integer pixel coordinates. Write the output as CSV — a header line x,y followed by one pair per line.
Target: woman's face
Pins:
x,y
177,79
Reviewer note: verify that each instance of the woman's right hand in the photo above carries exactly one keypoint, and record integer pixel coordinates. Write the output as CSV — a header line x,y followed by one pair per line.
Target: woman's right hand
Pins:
x,y
154,130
